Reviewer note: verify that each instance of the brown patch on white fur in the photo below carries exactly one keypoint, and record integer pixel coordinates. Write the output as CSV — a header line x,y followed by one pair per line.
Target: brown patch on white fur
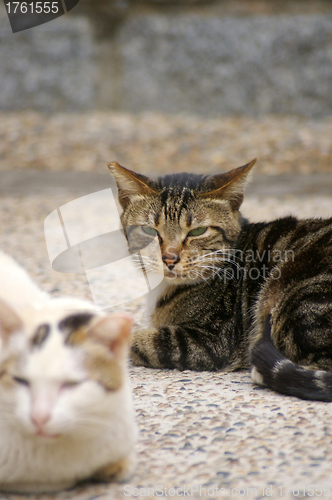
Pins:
x,y
119,471
105,346
7,367
10,325
77,337
9,320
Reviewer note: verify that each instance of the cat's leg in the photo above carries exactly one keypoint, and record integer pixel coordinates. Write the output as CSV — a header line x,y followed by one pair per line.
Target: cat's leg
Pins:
x,y
185,347
143,349
119,471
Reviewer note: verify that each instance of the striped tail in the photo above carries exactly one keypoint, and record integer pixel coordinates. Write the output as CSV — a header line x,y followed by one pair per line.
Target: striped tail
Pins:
x,y
271,369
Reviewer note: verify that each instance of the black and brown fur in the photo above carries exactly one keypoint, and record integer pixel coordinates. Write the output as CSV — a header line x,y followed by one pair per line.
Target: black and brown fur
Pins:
x,y
271,312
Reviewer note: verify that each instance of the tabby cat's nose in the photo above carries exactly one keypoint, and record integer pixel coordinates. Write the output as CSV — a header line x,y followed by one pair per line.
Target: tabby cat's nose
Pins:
x,y
170,262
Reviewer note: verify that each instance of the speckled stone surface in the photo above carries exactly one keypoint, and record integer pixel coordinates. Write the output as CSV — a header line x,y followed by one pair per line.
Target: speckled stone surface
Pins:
x,y
160,142
209,435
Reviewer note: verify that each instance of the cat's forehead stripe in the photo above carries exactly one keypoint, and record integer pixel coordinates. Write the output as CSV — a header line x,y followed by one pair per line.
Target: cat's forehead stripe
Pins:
x,y
174,205
40,335
156,218
75,321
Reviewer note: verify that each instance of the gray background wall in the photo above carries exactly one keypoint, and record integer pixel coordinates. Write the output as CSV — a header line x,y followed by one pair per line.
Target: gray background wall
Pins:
x,y
212,58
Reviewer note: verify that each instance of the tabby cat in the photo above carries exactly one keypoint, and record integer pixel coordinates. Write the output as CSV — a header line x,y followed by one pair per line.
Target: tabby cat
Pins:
x,y
65,401
235,294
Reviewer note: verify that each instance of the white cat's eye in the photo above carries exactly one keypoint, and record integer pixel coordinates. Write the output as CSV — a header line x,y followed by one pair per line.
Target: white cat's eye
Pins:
x,y
197,231
71,383
21,381
149,230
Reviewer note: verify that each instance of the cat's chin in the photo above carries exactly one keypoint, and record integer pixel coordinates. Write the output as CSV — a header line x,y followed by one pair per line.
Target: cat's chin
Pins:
x,y
42,436
181,280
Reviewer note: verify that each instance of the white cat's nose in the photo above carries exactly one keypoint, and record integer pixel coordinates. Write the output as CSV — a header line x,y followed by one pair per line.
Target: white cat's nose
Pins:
x,y
40,419
43,398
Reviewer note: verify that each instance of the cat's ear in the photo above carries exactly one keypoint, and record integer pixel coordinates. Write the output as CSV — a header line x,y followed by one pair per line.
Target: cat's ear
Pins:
x,y
10,322
130,183
230,185
114,332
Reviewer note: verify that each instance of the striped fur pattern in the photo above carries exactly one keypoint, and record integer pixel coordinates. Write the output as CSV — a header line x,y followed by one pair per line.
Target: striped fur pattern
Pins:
x,y
65,400
235,294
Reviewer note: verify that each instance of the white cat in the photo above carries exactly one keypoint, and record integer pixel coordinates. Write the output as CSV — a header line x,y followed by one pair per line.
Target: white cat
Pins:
x,y
66,410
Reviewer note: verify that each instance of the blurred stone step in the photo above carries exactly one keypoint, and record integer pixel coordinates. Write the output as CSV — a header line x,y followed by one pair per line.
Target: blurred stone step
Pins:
x,y
227,66
204,62
22,183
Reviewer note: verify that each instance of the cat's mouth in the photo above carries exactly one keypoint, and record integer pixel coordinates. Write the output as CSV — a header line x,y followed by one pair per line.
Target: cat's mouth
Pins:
x,y
170,274
47,435
179,276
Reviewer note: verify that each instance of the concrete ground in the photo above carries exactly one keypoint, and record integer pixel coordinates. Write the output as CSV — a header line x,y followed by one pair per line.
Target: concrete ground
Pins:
x,y
209,435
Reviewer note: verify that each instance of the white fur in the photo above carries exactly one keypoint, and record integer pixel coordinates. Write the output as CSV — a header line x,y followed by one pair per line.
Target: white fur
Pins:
x,y
256,377
16,286
54,433
153,296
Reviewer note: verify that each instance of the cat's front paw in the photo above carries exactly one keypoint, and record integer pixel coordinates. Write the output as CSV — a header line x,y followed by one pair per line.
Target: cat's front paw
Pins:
x,y
143,348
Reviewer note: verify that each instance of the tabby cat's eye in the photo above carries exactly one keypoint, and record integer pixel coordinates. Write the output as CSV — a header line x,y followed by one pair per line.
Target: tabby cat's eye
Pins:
x,y
21,381
149,230
197,231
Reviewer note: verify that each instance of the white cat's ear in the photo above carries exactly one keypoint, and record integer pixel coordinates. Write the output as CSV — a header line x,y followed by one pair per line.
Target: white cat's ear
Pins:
x,y
10,322
230,185
130,183
114,332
